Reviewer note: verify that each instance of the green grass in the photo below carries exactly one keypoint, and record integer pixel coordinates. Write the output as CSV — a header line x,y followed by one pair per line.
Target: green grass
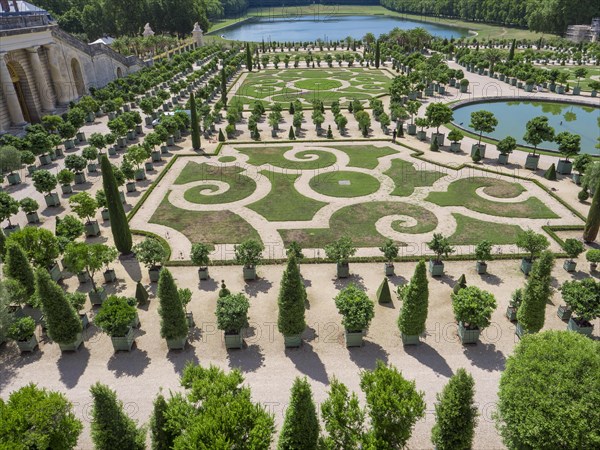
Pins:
x,y
358,222
470,231
284,202
209,227
240,186
584,82
364,156
227,159
328,183
407,178
274,156
462,193
286,85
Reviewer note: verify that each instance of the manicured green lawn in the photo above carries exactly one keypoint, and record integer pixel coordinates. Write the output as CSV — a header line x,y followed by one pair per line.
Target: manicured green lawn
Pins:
x,y
358,222
240,186
364,156
470,231
274,156
407,178
284,202
226,159
462,193
209,227
324,83
333,184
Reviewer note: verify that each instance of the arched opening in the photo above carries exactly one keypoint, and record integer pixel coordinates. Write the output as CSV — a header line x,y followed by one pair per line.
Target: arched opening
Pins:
x,y
19,81
119,72
78,77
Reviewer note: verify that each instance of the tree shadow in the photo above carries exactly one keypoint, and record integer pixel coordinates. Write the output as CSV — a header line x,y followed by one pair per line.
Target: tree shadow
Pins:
x,y
11,360
53,211
209,285
366,357
180,358
429,356
397,280
248,359
261,285
579,275
485,356
341,283
446,279
71,366
131,363
131,266
492,279
308,362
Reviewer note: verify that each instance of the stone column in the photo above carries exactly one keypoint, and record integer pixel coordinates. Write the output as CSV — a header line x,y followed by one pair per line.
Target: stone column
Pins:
x,y
10,94
61,86
44,91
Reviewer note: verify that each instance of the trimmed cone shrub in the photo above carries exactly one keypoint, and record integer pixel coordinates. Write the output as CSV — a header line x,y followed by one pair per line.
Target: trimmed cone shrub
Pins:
x,y
141,294
460,284
111,427
383,292
548,394
118,220
34,418
18,267
550,174
531,313
173,324
455,414
291,135
434,146
592,224
221,135
476,156
292,296
415,300
195,125
301,425
62,320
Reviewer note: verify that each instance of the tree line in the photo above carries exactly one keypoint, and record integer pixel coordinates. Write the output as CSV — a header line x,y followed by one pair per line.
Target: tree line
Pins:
x,y
545,16
91,19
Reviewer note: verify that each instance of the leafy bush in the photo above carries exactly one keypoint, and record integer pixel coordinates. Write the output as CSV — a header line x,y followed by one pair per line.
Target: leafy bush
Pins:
x,y
115,316
232,313
199,254
356,308
22,329
249,253
473,307
532,242
341,250
150,252
583,298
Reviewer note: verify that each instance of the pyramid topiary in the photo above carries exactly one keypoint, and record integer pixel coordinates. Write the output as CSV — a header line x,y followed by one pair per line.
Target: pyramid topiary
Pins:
x,y
550,174
460,284
141,294
383,292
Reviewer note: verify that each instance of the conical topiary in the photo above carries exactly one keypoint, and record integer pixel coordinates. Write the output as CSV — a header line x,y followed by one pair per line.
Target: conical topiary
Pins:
x,y
111,427
173,323
592,224
301,425
62,320
550,174
2,246
221,135
383,292
476,157
291,135
141,294
292,296
292,110
329,132
118,220
196,143
18,267
415,299
434,146
537,292
460,284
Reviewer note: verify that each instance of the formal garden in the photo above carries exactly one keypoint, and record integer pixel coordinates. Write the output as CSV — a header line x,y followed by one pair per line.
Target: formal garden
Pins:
x,y
188,262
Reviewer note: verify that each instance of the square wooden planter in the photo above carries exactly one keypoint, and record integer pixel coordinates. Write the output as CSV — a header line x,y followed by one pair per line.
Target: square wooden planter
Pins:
x,y
55,272
110,276
389,270
292,341
343,270
581,329
526,266
467,335
28,345
80,178
176,344
234,340
410,339
569,265
481,267
354,338
154,274
203,273
72,346
52,199
97,297
511,313
436,268
532,161
92,229
123,343
563,312
249,273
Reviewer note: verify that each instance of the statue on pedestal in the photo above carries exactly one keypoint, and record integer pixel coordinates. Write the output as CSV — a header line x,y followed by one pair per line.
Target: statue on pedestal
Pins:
x,y
198,35
147,31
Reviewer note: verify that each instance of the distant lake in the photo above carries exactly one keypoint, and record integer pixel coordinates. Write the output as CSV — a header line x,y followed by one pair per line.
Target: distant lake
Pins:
x,y
513,116
327,28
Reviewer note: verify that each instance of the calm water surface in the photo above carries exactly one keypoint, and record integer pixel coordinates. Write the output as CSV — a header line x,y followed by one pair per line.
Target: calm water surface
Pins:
x,y
513,116
327,28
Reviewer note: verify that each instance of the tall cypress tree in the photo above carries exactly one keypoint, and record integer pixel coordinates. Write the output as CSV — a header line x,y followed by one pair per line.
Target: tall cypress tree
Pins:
x,y
173,324
223,88
160,436
592,224
248,58
531,313
195,125
61,318
292,296
2,246
301,426
455,414
415,299
18,267
377,54
118,220
111,427
511,52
